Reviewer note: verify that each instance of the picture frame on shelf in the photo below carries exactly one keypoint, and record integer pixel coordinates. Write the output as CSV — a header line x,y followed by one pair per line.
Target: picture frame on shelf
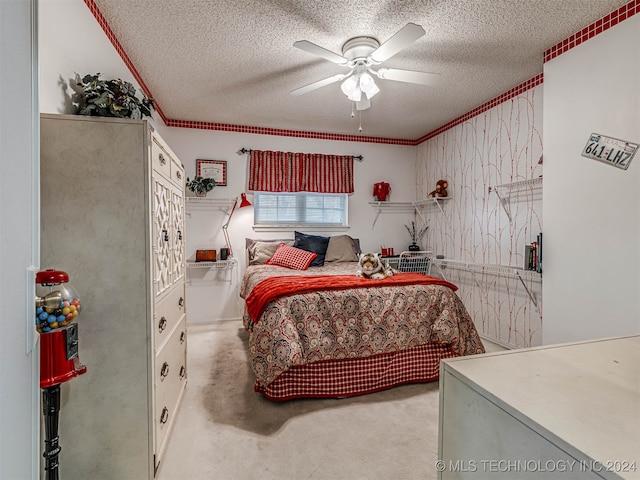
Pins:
x,y
216,169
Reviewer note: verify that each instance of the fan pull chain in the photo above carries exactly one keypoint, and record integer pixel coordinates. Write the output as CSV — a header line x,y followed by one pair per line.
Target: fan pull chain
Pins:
x,y
353,111
360,127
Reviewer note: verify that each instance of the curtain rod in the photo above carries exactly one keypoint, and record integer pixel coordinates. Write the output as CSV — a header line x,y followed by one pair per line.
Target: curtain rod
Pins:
x,y
243,150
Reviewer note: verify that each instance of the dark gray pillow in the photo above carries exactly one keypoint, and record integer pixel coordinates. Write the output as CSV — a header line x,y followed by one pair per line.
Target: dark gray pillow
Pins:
x,y
312,243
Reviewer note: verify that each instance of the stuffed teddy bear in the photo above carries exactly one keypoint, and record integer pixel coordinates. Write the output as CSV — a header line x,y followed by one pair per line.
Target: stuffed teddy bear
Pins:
x,y
441,189
372,266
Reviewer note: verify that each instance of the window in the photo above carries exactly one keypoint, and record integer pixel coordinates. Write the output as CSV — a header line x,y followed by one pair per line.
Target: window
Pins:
x,y
300,208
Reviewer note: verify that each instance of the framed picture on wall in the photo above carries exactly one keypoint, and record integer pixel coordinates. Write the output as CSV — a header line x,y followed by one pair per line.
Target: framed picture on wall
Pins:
x,y
216,169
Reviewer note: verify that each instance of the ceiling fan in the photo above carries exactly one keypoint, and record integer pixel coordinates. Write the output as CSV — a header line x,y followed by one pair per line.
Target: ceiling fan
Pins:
x,y
361,55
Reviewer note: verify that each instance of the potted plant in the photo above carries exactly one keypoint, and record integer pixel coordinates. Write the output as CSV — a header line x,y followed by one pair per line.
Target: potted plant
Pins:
x,y
111,98
416,235
200,185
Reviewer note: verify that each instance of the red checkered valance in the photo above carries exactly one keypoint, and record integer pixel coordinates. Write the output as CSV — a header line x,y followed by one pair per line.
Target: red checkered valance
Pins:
x,y
300,172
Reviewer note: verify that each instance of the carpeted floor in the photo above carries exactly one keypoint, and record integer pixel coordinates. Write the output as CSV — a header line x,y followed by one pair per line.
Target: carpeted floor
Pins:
x,y
226,431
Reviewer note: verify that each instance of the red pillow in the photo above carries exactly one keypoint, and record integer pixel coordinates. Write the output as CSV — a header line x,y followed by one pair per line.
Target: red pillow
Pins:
x,y
291,257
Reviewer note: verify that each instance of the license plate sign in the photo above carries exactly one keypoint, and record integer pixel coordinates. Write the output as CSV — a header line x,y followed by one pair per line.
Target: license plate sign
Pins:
x,y
610,150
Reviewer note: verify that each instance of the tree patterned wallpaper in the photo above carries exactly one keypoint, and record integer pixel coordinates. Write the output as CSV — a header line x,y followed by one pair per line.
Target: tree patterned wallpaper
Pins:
x,y
478,228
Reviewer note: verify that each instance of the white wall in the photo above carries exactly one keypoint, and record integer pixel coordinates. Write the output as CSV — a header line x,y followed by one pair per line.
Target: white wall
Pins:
x,y
72,44
592,210
19,248
213,294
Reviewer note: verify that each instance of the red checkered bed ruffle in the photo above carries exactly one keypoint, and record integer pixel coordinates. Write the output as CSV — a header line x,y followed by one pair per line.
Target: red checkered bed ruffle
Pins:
x,y
358,376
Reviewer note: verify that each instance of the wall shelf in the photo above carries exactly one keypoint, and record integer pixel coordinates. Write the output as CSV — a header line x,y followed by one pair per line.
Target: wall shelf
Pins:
x,y
405,207
219,264
498,270
204,203
230,264
532,182
514,187
432,201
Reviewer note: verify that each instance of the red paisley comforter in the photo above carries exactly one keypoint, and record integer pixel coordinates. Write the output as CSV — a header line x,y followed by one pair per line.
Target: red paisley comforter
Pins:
x,y
350,321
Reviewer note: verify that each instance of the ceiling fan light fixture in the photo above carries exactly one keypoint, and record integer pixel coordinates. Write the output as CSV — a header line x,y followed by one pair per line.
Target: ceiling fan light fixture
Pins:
x,y
349,85
363,104
356,95
367,85
351,88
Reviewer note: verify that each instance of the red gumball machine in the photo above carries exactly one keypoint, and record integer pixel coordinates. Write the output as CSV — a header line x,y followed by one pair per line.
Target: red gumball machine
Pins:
x,y
381,190
57,307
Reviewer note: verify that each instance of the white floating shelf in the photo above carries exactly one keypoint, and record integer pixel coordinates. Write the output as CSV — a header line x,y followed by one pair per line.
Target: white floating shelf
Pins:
x,y
406,207
209,202
532,182
223,264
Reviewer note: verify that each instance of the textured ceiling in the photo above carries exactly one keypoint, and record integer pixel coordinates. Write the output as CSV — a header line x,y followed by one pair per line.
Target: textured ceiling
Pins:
x,y
233,62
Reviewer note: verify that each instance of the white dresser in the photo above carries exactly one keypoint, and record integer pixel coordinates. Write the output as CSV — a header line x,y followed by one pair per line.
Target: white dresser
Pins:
x,y
112,217
558,412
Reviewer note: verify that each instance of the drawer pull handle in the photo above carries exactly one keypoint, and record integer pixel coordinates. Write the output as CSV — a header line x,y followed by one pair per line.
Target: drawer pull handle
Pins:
x,y
183,337
179,234
165,235
164,371
181,302
163,161
183,371
162,324
165,415
179,175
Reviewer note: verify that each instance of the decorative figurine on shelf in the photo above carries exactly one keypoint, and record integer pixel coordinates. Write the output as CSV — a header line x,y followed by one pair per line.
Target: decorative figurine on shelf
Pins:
x,y
200,185
415,235
441,189
381,190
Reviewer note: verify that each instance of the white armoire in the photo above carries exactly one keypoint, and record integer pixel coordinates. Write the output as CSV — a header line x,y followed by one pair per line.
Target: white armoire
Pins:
x,y
112,217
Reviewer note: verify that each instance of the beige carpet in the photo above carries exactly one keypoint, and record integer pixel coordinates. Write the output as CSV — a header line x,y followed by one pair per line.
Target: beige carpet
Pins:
x,y
226,431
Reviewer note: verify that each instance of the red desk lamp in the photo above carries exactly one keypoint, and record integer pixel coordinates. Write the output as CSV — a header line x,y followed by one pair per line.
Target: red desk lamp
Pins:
x,y
243,203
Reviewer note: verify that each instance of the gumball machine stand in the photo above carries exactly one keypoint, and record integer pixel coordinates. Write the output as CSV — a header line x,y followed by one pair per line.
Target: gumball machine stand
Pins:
x,y
57,307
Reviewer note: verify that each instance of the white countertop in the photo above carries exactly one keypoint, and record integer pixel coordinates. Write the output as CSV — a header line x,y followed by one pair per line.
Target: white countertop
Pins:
x,y
586,394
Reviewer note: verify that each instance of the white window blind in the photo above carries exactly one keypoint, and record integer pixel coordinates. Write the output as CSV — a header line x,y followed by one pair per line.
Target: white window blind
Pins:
x,y
300,208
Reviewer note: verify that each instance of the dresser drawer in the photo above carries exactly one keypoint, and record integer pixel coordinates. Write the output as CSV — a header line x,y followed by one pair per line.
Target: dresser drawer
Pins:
x,y
177,173
168,313
170,378
160,159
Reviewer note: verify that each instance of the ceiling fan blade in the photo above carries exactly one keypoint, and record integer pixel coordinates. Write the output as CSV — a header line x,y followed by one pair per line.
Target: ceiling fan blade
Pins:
x,y
402,38
320,51
320,83
408,76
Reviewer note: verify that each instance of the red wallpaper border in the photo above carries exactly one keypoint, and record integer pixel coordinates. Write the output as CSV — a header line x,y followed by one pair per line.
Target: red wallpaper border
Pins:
x,y
596,28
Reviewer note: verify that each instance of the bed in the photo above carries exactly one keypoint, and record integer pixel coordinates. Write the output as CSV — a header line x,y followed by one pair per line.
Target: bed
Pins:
x,y
322,332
